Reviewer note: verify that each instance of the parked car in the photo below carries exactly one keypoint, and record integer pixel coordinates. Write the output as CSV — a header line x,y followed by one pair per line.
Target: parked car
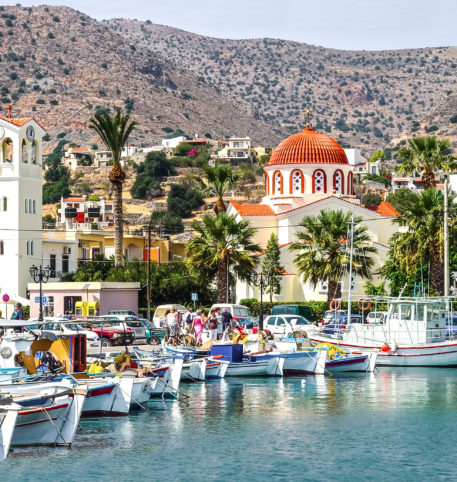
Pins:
x,y
301,310
63,326
376,317
280,326
122,312
247,323
237,311
153,334
340,323
331,316
159,313
128,321
110,335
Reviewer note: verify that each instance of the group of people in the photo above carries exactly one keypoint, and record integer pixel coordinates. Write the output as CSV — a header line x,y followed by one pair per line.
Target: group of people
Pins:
x,y
194,323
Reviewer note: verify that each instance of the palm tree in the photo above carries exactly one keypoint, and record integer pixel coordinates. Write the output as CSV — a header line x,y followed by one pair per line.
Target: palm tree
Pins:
x,y
114,132
426,154
422,241
219,179
222,241
323,251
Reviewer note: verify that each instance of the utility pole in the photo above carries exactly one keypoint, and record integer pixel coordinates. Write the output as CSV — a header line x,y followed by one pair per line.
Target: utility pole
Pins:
x,y
148,287
446,240
350,267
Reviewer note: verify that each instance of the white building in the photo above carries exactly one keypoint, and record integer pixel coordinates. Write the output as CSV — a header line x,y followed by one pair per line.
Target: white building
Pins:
x,y
238,149
75,157
414,183
308,172
129,150
102,158
20,202
174,142
59,254
79,213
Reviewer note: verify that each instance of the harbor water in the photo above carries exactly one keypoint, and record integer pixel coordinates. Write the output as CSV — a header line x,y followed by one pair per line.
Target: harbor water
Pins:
x,y
398,424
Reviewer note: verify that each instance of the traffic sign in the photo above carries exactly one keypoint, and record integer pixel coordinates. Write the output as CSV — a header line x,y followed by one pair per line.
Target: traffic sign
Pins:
x,y
5,298
44,299
194,296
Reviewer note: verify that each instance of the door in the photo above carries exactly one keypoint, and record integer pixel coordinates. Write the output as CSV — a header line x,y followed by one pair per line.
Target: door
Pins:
x,y
281,325
69,303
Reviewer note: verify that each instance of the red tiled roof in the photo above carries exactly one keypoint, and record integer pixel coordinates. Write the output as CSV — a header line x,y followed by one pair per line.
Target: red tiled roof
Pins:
x,y
384,209
74,200
199,141
80,149
308,147
253,209
20,121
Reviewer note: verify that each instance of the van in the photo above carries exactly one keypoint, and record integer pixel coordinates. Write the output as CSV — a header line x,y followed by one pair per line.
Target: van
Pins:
x,y
159,313
300,310
237,311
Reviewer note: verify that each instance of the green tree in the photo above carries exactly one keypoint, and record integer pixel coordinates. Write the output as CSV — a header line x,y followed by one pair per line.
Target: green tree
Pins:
x,y
371,199
163,222
182,149
115,131
49,221
155,166
182,200
427,155
378,155
222,243
219,179
422,242
271,265
400,198
323,252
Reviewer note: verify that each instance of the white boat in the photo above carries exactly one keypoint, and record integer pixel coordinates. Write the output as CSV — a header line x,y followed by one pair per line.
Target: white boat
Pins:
x,y
256,365
12,373
352,362
216,368
302,362
8,415
413,333
52,424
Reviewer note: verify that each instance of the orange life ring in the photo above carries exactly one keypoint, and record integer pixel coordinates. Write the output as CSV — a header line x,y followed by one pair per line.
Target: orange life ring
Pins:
x,y
333,306
366,308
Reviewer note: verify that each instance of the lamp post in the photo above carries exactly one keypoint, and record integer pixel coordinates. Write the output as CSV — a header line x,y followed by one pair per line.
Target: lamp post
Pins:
x,y
260,280
40,275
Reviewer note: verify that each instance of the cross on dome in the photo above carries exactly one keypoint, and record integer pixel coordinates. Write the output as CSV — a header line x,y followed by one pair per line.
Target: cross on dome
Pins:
x,y
307,111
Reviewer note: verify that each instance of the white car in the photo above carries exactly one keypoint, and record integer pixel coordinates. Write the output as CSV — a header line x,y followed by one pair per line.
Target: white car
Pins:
x,y
237,311
376,317
282,325
159,313
63,326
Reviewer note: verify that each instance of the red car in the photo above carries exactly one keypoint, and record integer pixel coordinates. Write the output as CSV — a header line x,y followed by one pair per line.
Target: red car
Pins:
x,y
109,335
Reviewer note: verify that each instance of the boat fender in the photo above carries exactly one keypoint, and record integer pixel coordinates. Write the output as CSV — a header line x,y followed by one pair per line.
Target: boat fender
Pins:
x,y
394,347
364,308
385,348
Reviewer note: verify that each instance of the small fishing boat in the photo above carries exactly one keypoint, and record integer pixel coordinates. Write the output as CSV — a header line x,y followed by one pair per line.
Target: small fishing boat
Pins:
x,y
12,373
8,415
216,368
53,423
303,362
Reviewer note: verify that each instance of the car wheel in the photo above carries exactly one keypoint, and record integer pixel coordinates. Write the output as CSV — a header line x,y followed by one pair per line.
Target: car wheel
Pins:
x,y
106,342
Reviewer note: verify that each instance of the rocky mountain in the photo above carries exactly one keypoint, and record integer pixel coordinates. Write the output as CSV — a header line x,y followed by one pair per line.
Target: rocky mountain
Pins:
x,y
60,66
362,98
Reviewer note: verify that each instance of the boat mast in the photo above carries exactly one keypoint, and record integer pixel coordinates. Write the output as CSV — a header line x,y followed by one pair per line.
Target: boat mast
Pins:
x,y
350,266
446,240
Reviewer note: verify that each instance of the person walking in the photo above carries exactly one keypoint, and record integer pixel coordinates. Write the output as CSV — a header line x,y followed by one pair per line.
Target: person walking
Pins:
x,y
212,325
173,326
226,319
188,318
166,335
219,323
17,313
197,328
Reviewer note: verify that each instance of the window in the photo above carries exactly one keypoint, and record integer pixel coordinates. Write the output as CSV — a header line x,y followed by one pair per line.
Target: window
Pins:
x,y
338,182
297,183
373,169
24,151
30,206
34,152
26,206
319,182
5,203
277,183
281,321
267,185
48,307
31,248
34,206
69,303
350,189
65,263
272,321
28,247
7,150
52,265
2,248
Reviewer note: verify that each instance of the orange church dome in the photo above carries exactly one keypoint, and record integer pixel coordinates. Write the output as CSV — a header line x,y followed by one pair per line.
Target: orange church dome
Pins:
x,y
308,147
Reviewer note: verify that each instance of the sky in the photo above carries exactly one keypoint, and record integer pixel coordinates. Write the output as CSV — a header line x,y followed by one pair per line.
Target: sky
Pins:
x,y
341,24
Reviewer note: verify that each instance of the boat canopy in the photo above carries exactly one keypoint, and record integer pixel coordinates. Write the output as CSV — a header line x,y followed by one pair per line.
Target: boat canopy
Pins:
x,y
17,323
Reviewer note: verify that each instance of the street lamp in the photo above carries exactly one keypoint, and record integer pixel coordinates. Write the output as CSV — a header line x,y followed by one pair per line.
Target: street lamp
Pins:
x,y
260,280
40,275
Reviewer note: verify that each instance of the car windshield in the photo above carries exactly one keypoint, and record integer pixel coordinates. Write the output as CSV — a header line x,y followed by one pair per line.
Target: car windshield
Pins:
x,y
147,323
299,321
133,324
73,327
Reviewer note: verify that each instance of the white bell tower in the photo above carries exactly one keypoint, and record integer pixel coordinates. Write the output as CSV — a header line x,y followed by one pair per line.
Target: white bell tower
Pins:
x,y
20,202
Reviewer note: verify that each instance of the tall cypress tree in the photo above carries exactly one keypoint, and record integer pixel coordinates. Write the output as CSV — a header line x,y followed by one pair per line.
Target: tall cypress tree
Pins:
x,y
271,265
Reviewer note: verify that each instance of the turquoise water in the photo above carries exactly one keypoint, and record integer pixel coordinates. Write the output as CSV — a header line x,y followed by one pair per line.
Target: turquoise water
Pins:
x,y
399,424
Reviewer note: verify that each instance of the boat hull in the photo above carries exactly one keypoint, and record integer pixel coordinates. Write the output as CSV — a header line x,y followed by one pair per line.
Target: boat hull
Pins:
x,y
423,355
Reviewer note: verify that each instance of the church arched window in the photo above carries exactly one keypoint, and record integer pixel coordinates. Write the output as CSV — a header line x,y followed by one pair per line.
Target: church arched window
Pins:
x,y
350,189
34,152
2,248
297,182
34,206
277,183
267,185
25,151
28,247
31,248
319,182
338,182
30,206
26,206
5,203
7,150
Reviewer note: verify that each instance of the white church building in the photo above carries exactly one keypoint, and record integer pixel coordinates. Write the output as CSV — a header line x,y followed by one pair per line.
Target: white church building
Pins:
x,y
309,172
20,203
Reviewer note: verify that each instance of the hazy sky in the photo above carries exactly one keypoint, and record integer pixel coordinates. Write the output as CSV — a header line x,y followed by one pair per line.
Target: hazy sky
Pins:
x,y
345,24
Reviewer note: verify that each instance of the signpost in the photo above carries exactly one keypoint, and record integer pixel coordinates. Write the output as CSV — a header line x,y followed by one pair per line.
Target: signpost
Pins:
x,y
5,299
194,298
